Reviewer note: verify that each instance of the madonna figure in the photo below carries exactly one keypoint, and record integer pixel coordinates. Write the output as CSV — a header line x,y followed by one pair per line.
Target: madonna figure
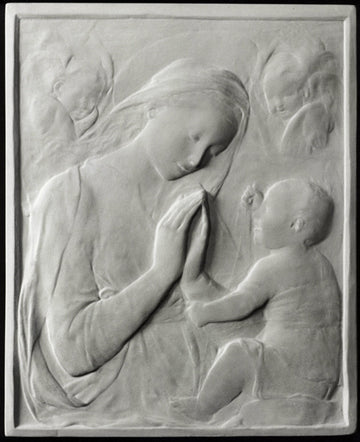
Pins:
x,y
103,337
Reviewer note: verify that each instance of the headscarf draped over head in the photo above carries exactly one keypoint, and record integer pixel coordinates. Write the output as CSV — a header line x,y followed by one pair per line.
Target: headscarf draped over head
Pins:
x,y
184,76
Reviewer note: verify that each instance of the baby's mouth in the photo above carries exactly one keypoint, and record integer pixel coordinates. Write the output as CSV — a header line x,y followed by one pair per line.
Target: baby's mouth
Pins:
x,y
283,113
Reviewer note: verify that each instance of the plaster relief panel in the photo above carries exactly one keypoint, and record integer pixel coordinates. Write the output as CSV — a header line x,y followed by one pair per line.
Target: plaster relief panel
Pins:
x,y
180,220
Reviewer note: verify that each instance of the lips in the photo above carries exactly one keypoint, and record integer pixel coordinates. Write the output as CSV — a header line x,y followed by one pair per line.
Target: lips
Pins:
x,y
283,113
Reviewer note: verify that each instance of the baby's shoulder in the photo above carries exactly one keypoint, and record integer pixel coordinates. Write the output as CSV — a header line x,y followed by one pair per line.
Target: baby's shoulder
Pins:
x,y
273,262
282,270
264,268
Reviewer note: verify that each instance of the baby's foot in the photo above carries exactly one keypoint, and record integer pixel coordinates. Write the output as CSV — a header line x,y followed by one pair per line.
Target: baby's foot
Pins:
x,y
189,407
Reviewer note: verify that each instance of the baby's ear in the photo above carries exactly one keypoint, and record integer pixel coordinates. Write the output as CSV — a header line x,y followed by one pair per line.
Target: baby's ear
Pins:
x,y
297,225
56,88
151,113
307,92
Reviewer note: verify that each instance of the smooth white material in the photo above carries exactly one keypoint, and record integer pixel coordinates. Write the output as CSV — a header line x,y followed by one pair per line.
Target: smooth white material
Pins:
x,y
179,220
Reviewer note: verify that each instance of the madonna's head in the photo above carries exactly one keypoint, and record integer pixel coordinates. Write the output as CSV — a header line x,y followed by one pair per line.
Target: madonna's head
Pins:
x,y
193,113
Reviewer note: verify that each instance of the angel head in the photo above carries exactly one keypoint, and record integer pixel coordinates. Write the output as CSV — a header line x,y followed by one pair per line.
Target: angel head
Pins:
x,y
81,86
293,77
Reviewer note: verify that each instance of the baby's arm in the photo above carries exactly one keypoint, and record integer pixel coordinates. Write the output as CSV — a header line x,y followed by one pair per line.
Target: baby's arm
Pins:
x,y
251,294
203,288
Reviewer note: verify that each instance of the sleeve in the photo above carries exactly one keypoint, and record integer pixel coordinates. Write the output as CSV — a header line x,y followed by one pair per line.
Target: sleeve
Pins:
x,y
50,225
58,283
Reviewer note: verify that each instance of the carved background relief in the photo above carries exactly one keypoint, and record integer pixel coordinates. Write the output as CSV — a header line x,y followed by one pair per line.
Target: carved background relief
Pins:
x,y
183,224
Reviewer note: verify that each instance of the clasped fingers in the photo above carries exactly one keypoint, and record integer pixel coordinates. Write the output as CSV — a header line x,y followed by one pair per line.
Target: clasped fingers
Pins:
x,y
182,210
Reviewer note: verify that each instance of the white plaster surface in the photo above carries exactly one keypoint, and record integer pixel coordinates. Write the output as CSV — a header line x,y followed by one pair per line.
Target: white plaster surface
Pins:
x,y
180,235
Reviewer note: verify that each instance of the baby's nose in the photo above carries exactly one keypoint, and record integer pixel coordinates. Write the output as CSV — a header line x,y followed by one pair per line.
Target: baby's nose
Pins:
x,y
276,105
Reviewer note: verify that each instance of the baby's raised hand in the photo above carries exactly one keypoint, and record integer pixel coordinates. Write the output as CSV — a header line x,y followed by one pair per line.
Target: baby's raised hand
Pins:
x,y
252,197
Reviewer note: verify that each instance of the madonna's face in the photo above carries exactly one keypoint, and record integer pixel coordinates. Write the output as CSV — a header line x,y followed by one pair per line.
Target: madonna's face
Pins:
x,y
183,138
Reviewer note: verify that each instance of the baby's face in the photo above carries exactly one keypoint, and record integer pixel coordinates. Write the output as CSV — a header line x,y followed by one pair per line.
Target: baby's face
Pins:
x,y
273,219
80,93
283,98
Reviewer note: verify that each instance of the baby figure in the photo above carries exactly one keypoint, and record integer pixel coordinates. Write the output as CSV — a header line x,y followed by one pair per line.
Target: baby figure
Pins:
x,y
297,353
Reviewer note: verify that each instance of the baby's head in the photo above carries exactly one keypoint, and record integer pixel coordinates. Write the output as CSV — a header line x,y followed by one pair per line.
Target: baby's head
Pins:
x,y
294,211
284,85
81,87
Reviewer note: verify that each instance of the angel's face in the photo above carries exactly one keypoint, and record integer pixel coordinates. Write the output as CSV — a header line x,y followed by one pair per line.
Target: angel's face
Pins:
x,y
79,93
283,94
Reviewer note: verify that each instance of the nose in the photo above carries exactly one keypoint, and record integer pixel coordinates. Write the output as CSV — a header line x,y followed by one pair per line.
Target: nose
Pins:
x,y
199,156
276,105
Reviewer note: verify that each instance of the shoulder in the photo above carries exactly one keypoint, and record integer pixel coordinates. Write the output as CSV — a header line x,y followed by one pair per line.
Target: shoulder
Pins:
x,y
58,199
53,213
65,185
102,174
264,268
271,271
266,264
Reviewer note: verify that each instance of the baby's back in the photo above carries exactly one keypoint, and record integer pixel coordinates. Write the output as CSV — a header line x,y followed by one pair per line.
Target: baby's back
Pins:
x,y
303,316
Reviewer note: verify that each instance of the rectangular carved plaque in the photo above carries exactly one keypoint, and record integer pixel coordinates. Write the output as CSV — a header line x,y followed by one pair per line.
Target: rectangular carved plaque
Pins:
x,y
180,220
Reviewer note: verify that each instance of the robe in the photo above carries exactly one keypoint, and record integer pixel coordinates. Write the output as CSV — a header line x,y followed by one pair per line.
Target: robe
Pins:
x,y
92,235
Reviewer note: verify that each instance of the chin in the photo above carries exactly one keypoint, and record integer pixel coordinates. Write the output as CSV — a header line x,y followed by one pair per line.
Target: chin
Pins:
x,y
171,175
167,176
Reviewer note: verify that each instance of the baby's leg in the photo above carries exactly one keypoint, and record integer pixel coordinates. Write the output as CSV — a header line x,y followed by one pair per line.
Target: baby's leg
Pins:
x,y
230,373
227,378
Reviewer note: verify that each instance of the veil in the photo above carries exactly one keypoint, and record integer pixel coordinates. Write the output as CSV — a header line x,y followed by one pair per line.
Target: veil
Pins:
x,y
181,77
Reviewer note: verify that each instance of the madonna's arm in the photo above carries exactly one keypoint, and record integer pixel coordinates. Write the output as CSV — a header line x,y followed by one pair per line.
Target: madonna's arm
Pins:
x,y
87,331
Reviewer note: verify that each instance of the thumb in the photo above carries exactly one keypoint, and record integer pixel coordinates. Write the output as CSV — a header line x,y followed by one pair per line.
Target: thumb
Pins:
x,y
200,236
204,222
197,248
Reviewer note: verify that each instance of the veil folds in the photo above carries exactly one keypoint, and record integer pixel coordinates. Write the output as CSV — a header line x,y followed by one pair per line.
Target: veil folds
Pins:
x,y
181,77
